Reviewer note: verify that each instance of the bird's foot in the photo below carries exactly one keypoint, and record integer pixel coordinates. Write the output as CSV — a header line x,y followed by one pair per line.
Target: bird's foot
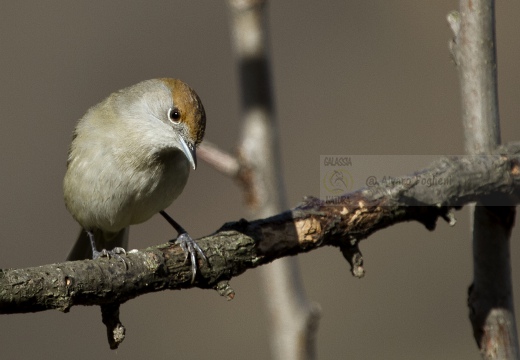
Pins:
x,y
115,253
190,248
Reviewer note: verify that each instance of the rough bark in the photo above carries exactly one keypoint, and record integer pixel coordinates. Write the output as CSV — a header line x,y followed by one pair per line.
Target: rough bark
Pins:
x,y
239,246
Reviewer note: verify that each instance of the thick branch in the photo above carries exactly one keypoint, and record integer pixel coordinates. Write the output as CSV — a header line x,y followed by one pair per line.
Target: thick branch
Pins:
x,y
243,245
491,294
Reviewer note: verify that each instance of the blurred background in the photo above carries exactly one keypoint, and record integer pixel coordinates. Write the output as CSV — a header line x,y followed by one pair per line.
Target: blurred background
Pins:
x,y
350,77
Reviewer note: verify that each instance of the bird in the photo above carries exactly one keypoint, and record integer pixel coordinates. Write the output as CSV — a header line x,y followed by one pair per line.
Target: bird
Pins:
x,y
129,159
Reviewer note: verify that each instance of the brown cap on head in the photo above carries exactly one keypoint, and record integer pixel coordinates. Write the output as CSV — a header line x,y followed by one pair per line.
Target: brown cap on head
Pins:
x,y
190,107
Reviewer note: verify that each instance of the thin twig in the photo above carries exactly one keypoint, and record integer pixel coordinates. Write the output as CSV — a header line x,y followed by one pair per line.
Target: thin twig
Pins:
x,y
220,160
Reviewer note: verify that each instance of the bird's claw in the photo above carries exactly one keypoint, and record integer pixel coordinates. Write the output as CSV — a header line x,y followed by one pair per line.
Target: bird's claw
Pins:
x,y
115,253
190,248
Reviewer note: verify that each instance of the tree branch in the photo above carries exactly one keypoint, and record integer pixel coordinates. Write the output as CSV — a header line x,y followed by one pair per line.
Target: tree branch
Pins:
x,y
293,317
221,161
491,295
239,246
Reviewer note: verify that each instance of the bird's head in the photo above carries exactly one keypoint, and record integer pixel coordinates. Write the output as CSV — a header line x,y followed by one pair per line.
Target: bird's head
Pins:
x,y
164,113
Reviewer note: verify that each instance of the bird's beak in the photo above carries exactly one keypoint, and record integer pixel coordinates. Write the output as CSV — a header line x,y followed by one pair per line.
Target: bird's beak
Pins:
x,y
189,150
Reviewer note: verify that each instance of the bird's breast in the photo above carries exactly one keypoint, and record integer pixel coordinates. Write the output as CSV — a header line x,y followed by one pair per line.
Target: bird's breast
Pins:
x,y
109,193
160,185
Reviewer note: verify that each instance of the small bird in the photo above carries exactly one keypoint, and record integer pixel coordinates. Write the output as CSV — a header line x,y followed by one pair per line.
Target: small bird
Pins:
x,y
129,159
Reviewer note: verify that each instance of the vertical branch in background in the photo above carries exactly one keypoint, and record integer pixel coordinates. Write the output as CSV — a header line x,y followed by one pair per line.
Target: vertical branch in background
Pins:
x,y
292,316
491,295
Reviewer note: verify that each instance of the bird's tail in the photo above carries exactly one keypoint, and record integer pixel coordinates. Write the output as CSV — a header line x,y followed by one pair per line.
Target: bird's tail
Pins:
x,y
82,249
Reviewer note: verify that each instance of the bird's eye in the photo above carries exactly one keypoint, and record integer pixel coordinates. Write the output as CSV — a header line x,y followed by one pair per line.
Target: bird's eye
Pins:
x,y
174,115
